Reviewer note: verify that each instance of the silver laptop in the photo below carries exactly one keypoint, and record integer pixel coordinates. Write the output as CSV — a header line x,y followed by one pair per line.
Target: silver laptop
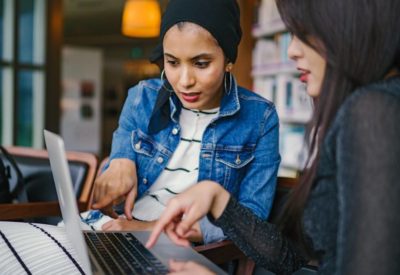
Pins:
x,y
110,252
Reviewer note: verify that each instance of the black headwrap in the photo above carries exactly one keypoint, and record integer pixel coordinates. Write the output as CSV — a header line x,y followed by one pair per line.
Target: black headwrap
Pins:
x,y
220,17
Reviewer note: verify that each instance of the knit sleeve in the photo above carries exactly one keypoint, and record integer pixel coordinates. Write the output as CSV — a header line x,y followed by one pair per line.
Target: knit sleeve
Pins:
x,y
259,240
368,158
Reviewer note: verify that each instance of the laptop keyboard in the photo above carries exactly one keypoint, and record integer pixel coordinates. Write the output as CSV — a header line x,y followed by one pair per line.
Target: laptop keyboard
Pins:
x,y
122,253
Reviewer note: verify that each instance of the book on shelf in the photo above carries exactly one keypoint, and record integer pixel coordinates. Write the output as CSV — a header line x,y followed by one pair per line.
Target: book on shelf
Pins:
x,y
289,95
270,56
292,101
269,20
292,147
272,69
265,52
266,87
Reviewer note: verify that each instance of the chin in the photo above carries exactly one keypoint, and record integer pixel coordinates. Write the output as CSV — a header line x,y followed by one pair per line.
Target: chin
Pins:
x,y
188,105
313,92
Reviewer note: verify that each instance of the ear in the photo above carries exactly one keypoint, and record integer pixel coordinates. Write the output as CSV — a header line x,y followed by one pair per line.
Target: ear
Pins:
x,y
228,67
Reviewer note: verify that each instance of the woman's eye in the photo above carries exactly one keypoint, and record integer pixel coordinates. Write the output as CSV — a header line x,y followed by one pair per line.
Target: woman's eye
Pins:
x,y
172,62
202,64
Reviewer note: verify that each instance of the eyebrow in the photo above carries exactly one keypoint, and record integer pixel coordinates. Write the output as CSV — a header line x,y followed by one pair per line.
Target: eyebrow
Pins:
x,y
199,56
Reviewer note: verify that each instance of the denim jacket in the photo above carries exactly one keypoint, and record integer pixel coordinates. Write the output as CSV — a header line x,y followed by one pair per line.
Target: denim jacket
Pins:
x,y
239,148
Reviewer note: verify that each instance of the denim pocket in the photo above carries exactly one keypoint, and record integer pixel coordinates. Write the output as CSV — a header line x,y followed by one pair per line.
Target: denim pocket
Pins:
x,y
148,155
146,151
231,165
235,159
142,144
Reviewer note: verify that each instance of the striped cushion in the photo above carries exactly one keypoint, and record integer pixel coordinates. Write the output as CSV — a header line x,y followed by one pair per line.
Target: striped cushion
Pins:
x,y
27,248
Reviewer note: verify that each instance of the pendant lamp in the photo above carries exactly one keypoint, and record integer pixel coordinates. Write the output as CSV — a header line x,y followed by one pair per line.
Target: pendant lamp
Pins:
x,y
141,18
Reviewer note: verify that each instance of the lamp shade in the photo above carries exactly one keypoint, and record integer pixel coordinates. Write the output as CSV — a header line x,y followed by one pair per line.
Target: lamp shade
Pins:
x,y
141,18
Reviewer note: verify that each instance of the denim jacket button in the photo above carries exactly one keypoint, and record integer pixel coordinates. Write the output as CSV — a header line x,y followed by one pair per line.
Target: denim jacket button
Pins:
x,y
144,181
175,131
160,160
137,146
238,160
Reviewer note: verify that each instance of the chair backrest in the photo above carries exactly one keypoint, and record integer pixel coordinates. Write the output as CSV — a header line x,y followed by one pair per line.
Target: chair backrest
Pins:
x,y
283,188
35,167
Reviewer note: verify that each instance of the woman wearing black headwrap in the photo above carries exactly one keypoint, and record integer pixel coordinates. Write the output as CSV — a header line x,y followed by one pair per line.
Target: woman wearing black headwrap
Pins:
x,y
193,124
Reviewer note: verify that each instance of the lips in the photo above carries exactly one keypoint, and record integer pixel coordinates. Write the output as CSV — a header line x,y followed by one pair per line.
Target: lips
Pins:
x,y
190,97
303,75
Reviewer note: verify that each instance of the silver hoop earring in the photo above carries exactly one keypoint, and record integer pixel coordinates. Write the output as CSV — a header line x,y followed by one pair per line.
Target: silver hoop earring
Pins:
x,y
162,77
230,80
226,89
165,82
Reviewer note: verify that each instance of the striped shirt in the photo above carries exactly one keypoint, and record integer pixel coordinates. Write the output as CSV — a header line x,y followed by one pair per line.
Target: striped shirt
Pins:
x,y
182,170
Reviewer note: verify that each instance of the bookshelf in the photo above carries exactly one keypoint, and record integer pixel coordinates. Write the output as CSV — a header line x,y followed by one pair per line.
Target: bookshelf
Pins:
x,y
274,26
275,77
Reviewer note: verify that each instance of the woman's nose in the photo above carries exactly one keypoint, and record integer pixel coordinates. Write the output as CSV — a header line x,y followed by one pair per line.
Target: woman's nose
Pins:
x,y
294,50
187,78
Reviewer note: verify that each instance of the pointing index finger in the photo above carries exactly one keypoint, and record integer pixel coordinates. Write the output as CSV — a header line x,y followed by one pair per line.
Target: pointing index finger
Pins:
x,y
168,216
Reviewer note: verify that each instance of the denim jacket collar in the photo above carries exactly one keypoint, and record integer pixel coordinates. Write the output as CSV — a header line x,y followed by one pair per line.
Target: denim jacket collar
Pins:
x,y
176,107
230,101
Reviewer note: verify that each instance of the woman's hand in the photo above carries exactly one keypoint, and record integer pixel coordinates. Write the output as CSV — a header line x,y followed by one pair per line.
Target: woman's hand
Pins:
x,y
188,268
122,224
183,211
196,235
116,184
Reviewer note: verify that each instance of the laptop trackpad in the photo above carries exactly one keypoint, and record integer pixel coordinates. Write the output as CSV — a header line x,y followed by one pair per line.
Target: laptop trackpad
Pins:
x,y
166,250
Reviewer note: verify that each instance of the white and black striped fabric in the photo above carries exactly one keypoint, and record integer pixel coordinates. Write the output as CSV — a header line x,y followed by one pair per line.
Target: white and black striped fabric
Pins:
x,y
27,248
182,170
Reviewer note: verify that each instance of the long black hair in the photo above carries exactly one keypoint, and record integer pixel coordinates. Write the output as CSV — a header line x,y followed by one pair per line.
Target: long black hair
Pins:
x,y
360,40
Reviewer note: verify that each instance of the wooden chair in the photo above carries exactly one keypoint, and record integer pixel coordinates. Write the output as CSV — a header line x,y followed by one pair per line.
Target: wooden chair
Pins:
x,y
42,199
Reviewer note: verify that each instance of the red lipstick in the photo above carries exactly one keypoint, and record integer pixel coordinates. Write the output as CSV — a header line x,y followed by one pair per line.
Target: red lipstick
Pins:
x,y
191,98
303,75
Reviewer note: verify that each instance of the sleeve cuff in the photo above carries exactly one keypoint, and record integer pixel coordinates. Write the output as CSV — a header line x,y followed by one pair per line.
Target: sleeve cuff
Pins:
x,y
228,215
211,233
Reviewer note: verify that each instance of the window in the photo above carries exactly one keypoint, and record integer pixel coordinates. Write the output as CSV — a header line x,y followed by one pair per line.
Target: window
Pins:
x,y
22,71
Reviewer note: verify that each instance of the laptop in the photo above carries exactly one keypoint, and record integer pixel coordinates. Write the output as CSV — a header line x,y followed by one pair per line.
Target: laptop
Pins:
x,y
110,252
